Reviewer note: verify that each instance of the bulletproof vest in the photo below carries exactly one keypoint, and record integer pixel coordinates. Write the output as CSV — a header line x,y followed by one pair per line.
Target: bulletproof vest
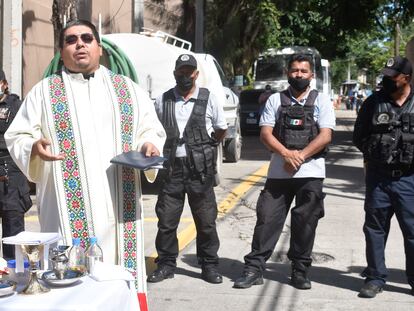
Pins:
x,y
392,139
296,127
200,147
8,110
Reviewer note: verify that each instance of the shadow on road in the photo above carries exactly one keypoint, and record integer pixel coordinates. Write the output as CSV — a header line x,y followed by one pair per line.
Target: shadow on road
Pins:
x,y
280,273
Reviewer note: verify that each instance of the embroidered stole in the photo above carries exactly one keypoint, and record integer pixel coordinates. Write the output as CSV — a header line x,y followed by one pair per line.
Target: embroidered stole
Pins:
x,y
72,180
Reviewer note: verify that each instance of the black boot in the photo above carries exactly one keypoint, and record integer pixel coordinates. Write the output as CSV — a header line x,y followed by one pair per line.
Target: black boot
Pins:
x,y
370,290
162,273
210,274
248,279
300,280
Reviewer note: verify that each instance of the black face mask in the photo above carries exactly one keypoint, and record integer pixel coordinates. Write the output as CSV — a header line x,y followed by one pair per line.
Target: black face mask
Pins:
x,y
299,84
184,83
388,85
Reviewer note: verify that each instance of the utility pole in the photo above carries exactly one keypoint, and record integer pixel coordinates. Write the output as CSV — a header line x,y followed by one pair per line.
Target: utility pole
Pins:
x,y
199,26
11,44
138,17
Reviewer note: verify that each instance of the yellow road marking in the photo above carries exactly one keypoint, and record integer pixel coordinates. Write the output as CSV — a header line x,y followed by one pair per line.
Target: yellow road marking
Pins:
x,y
188,234
31,218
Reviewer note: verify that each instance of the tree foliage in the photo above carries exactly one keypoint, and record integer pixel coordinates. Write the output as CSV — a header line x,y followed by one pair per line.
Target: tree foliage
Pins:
x,y
61,8
370,48
359,33
236,31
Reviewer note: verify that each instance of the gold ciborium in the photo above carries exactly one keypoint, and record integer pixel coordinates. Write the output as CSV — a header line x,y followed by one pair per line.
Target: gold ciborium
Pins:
x,y
33,253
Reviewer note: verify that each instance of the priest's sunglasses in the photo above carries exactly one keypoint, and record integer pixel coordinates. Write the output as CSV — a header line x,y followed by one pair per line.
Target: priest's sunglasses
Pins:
x,y
85,37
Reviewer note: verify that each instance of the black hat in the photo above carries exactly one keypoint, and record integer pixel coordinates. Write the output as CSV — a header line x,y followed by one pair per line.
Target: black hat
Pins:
x,y
2,75
397,65
185,60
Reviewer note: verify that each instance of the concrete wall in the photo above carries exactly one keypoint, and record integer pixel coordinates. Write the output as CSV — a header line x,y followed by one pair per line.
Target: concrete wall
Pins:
x,y
164,16
11,43
116,16
37,41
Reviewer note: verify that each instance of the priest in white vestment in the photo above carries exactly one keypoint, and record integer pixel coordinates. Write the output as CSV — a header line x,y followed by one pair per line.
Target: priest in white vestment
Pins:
x,y
68,129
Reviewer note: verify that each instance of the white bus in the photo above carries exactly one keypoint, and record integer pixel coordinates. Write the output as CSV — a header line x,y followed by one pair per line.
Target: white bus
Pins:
x,y
270,68
326,78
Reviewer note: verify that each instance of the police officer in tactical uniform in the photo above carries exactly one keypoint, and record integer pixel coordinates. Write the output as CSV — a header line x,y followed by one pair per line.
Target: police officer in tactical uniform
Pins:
x,y
14,189
296,126
195,124
384,132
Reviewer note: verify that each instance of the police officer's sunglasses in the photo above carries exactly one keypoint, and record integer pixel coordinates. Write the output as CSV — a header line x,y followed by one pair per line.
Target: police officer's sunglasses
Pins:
x,y
85,37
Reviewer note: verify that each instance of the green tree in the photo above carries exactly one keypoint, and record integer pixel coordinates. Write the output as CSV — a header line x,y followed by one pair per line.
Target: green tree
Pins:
x,y
360,32
237,31
62,8
371,48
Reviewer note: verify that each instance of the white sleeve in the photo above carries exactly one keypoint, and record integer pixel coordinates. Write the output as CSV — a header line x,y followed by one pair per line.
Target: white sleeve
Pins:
x,y
268,117
158,104
149,127
217,113
326,117
25,129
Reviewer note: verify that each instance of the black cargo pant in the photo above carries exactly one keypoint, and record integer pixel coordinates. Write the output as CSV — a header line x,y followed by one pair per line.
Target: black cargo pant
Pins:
x,y
14,202
272,208
169,208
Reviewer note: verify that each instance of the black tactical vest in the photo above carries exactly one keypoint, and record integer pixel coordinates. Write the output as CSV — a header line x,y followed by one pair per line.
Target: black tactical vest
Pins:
x,y
392,139
200,147
296,127
8,110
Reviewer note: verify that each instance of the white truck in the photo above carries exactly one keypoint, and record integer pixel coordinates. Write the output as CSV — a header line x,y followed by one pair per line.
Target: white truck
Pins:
x,y
153,55
270,69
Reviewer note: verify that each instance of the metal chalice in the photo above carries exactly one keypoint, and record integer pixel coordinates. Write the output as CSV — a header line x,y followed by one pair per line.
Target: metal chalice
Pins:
x,y
33,253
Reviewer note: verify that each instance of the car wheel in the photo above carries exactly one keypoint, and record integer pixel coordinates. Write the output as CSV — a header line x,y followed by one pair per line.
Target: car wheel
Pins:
x,y
232,150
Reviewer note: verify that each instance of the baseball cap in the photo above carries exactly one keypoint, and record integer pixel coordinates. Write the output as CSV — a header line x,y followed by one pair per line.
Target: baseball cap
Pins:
x,y
2,75
397,65
185,60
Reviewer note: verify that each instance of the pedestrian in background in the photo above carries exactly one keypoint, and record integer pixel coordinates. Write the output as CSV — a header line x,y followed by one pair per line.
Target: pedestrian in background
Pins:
x,y
384,133
14,188
296,126
264,97
195,125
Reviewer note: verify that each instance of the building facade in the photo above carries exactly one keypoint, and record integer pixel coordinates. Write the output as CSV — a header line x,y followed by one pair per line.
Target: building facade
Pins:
x,y
27,34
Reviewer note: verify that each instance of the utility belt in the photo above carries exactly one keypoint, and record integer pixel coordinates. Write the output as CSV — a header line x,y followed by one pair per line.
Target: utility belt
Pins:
x,y
180,162
5,161
4,154
390,171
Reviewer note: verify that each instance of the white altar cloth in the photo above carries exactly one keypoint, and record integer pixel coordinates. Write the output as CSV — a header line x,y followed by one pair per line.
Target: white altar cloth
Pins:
x,y
89,295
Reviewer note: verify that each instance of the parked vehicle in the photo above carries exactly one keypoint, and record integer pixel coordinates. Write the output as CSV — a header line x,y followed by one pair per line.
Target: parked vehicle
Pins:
x,y
250,111
218,84
270,68
153,56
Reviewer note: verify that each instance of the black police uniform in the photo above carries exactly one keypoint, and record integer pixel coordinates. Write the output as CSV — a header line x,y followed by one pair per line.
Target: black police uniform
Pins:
x,y
384,132
14,192
192,175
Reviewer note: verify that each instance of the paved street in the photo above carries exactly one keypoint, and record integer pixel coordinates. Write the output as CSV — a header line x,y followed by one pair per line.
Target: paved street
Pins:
x,y
338,252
